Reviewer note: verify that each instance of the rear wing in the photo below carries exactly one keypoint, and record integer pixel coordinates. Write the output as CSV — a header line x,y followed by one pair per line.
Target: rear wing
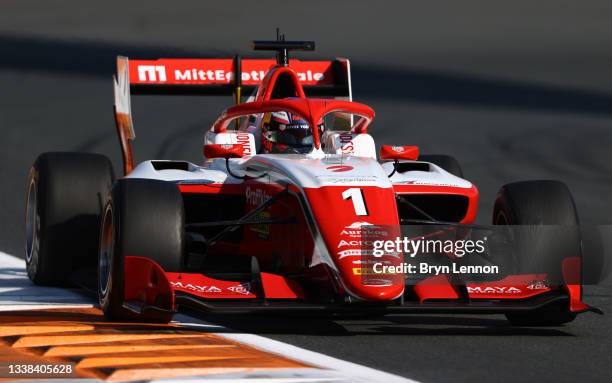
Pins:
x,y
330,78
218,76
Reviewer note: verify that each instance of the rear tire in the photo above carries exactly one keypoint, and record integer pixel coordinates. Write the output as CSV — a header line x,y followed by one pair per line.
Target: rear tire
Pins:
x,y
142,218
448,163
537,204
65,196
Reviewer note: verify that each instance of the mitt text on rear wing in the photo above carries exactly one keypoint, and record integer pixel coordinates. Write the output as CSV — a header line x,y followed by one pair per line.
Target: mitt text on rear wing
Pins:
x,y
221,71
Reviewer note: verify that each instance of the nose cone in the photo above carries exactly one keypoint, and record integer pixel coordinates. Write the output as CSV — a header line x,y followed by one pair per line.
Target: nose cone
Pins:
x,y
350,219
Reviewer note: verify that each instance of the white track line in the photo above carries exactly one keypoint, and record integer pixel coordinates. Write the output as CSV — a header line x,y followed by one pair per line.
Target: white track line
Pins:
x,y
10,261
357,372
18,293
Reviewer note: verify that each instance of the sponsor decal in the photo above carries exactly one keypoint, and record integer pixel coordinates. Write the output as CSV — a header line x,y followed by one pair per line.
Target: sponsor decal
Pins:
x,y
196,288
354,230
196,74
339,168
344,243
220,75
415,182
256,197
398,149
160,73
357,237
346,143
354,252
347,180
155,73
243,288
310,76
262,230
357,225
244,140
370,271
538,285
363,271
493,290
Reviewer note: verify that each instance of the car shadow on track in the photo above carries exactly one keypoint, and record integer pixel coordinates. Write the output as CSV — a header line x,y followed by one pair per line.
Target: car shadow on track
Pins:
x,y
97,58
390,325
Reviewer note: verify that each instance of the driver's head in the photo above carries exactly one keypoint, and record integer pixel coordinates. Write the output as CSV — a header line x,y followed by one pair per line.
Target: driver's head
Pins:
x,y
284,132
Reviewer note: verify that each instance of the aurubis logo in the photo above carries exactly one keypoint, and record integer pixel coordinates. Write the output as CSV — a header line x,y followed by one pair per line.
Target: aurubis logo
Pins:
x,y
152,73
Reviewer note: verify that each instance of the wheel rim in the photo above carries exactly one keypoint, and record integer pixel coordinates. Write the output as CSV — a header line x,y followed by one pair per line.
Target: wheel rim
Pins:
x,y
31,220
106,251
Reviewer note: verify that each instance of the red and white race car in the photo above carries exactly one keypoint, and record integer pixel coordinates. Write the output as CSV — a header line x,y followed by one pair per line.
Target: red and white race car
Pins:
x,y
287,210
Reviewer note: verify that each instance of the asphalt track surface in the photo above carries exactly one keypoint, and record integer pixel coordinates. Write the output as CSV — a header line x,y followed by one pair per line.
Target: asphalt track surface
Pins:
x,y
515,90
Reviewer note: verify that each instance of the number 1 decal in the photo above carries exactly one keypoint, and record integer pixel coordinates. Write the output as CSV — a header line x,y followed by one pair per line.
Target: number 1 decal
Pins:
x,y
356,195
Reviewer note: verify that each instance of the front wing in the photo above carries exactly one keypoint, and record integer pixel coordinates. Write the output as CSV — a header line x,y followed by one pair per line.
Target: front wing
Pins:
x,y
150,290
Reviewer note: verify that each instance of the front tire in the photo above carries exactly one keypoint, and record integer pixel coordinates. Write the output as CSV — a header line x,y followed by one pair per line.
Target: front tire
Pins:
x,y
536,205
142,218
65,196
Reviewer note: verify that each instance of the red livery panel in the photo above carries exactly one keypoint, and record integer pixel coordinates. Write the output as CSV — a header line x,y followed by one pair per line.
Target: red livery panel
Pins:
x,y
221,71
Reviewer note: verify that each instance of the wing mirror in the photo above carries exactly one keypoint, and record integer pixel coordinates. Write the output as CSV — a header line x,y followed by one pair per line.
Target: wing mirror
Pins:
x,y
223,151
228,151
388,152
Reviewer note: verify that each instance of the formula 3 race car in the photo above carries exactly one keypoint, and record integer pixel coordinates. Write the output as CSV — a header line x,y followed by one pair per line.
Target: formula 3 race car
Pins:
x,y
280,220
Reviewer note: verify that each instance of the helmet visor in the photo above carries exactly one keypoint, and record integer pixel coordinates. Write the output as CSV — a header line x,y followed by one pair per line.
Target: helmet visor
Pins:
x,y
294,135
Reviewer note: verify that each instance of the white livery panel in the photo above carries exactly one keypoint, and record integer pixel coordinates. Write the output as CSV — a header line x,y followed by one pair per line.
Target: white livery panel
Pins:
x,y
247,140
349,144
436,176
330,170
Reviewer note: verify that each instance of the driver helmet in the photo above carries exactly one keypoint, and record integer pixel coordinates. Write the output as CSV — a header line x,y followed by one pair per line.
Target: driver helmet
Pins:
x,y
285,132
